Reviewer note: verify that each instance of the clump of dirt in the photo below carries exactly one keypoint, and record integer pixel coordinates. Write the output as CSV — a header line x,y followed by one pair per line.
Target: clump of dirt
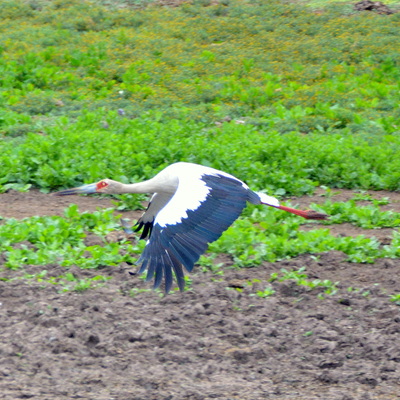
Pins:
x,y
377,6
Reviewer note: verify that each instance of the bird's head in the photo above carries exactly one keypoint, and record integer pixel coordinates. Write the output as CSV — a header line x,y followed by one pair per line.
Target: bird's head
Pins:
x,y
103,186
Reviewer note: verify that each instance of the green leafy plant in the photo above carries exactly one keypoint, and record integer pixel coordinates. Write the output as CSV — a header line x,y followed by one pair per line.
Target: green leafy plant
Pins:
x,y
301,278
267,292
367,217
395,298
129,202
70,283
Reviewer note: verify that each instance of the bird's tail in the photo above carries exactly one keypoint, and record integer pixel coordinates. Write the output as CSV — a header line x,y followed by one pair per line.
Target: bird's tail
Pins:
x,y
267,200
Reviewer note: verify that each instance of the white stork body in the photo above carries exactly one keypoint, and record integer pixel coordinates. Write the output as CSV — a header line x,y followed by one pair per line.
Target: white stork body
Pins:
x,y
191,206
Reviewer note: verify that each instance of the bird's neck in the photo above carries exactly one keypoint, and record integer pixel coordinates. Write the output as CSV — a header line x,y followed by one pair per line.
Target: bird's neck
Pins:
x,y
151,186
140,187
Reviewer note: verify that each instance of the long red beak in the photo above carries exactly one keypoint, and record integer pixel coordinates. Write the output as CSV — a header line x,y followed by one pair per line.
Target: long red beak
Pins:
x,y
308,214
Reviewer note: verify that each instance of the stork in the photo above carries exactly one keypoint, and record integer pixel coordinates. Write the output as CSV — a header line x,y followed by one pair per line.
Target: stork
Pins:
x,y
191,206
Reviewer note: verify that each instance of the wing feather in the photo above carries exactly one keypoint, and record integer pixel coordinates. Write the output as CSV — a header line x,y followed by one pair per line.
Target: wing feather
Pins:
x,y
181,255
143,265
152,262
159,271
168,272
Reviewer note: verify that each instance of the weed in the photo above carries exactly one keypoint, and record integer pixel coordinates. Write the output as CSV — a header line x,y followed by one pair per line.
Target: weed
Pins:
x,y
71,283
300,277
267,292
395,298
135,291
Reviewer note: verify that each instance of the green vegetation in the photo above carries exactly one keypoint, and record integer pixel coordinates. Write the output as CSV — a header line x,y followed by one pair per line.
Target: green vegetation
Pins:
x,y
283,97
139,89
321,4
301,279
367,217
267,292
263,235
282,164
45,240
395,298
269,235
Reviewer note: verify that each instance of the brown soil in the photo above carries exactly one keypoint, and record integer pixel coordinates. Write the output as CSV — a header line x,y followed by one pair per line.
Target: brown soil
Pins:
x,y
211,342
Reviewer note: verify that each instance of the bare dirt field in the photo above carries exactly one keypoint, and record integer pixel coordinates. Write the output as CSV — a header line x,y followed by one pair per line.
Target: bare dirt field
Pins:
x,y
212,342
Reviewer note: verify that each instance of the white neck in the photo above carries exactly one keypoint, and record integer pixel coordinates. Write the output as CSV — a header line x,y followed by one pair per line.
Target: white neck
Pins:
x,y
157,184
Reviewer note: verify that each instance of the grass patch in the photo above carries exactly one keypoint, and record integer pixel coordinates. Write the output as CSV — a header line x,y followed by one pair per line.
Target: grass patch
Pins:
x,y
260,235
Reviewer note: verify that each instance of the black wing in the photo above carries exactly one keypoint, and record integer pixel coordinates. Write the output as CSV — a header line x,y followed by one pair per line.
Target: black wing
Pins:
x,y
180,241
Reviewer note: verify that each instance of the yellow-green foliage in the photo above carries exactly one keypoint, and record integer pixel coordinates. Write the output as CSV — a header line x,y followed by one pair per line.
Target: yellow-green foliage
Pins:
x,y
237,58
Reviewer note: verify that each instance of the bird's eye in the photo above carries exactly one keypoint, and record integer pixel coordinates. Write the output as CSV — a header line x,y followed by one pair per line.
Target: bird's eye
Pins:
x,y
101,185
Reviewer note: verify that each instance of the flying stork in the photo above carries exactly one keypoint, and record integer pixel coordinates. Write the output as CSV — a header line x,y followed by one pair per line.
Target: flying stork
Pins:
x,y
191,206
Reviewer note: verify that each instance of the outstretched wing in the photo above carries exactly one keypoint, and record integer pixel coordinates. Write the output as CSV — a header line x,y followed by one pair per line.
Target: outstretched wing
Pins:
x,y
200,210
